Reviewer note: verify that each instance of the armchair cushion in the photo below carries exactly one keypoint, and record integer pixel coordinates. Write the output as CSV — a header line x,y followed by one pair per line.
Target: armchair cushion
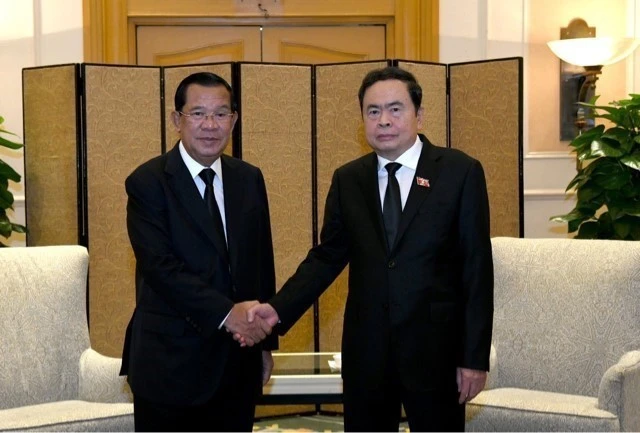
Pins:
x,y
514,409
68,415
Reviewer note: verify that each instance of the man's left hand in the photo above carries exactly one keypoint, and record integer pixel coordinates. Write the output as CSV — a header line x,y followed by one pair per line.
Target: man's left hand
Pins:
x,y
470,383
267,366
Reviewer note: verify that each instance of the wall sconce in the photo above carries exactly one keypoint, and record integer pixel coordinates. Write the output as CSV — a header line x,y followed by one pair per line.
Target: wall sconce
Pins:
x,y
582,57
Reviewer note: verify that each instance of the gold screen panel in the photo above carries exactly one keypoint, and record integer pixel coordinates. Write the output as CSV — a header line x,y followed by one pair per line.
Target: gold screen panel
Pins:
x,y
340,139
276,136
433,80
485,123
50,153
122,131
172,78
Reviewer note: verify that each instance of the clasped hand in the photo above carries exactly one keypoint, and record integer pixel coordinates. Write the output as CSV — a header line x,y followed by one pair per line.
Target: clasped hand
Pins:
x,y
252,332
251,322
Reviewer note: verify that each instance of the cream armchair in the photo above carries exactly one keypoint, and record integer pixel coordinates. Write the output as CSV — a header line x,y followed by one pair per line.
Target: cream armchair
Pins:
x,y
50,378
566,338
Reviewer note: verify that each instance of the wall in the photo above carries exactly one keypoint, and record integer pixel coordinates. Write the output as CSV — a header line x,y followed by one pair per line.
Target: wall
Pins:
x,y
44,32
505,28
32,33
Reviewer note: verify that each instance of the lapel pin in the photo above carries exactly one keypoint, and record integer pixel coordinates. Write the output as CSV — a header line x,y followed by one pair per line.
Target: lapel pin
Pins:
x,y
423,182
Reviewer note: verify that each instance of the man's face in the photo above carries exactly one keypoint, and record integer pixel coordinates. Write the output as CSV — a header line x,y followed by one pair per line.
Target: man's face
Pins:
x,y
205,138
390,120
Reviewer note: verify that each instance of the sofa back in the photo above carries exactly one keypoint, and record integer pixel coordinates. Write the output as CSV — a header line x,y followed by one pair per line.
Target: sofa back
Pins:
x,y
565,311
43,323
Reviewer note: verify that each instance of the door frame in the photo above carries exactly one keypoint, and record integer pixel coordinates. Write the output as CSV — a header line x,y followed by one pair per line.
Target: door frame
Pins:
x,y
110,26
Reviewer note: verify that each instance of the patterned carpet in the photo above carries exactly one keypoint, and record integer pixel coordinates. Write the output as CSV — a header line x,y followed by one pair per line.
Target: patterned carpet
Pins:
x,y
306,423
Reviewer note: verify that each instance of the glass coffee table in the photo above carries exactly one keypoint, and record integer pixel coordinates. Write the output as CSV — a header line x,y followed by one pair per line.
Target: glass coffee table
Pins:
x,y
303,378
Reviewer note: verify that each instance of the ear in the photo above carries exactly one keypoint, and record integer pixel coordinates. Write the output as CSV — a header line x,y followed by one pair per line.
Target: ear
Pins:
x,y
235,119
175,118
420,117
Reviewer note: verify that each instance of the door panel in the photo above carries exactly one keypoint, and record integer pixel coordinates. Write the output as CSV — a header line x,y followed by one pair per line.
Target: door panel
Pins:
x,y
181,45
329,44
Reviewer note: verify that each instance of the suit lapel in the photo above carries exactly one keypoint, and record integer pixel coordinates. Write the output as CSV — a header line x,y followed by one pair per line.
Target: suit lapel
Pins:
x,y
181,183
427,169
371,193
233,198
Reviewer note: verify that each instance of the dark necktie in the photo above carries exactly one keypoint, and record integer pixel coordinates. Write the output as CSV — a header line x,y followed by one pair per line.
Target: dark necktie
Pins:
x,y
210,199
392,206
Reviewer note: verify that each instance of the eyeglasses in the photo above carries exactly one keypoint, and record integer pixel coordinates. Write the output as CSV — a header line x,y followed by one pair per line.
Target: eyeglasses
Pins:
x,y
375,113
197,117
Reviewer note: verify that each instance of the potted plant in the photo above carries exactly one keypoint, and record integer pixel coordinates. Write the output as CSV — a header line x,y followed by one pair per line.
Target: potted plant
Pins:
x,y
6,197
608,187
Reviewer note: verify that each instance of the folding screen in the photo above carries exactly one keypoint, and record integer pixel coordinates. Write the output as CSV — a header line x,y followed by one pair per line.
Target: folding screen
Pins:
x,y
298,123
486,123
51,119
121,131
275,108
275,103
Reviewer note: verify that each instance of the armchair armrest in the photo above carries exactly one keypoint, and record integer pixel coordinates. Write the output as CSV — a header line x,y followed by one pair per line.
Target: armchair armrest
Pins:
x,y
492,377
619,391
100,379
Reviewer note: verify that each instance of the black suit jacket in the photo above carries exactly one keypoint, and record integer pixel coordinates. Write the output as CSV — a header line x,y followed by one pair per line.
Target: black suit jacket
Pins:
x,y
185,283
426,305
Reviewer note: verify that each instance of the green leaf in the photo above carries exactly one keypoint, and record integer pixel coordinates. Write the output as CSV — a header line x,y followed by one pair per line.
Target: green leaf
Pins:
x,y
8,143
18,228
632,209
588,230
574,225
6,199
589,191
7,172
622,228
604,148
632,161
575,214
5,226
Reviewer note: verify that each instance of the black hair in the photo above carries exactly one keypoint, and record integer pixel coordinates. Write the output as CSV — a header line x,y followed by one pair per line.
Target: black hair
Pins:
x,y
206,79
392,73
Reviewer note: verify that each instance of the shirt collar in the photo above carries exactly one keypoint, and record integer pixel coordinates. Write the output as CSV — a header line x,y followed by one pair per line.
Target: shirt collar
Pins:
x,y
195,167
408,159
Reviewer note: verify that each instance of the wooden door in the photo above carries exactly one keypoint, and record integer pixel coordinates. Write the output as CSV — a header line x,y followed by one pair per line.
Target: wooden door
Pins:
x,y
175,45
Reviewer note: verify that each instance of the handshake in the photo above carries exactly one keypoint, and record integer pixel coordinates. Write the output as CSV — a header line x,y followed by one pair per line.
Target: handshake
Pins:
x,y
250,322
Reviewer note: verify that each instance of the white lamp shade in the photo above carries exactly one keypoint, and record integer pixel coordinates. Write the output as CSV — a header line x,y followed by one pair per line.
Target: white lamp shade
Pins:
x,y
593,51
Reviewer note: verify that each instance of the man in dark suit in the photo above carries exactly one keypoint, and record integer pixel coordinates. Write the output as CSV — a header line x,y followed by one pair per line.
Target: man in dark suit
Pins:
x,y
412,222
202,242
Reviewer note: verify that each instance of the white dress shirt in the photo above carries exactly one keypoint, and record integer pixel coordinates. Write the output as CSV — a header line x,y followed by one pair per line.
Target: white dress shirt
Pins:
x,y
405,174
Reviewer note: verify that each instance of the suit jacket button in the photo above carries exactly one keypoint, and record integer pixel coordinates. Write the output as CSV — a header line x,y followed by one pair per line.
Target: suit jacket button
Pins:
x,y
392,264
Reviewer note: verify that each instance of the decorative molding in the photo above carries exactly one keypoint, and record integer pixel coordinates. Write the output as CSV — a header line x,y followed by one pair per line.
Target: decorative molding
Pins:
x,y
549,155
548,194
231,49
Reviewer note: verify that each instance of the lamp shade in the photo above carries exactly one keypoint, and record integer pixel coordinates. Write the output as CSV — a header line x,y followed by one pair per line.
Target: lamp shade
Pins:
x,y
593,51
